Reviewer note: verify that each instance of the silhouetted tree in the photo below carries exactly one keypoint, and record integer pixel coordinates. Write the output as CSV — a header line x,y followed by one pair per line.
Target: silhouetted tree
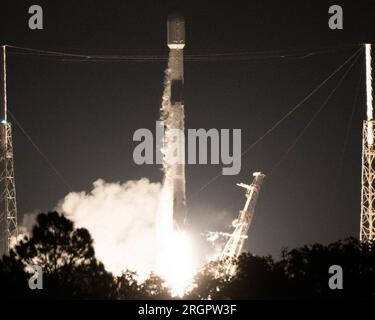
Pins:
x,y
66,256
257,278
13,279
209,282
307,269
154,287
301,273
70,270
127,286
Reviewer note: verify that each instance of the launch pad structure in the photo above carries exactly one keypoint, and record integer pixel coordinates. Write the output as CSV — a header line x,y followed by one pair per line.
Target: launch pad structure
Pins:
x,y
234,245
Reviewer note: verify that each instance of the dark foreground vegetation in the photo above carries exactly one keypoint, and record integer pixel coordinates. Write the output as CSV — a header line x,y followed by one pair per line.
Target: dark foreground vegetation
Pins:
x,y
71,271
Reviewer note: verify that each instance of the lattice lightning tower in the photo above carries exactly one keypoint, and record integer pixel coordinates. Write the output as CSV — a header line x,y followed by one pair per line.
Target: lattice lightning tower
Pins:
x,y
8,207
367,228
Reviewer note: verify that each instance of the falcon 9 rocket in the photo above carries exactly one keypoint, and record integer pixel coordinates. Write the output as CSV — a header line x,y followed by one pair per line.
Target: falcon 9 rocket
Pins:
x,y
174,118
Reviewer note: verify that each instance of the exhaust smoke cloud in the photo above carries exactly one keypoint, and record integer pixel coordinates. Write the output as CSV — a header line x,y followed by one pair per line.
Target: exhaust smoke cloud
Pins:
x,y
121,219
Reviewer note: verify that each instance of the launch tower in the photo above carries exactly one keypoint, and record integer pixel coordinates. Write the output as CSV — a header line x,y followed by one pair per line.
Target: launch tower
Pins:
x,y
233,247
367,227
8,207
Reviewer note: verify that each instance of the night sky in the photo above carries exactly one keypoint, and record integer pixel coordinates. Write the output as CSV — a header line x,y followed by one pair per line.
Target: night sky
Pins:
x,y
83,114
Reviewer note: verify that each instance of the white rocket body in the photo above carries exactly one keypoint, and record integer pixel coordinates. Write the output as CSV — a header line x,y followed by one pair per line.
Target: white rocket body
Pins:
x,y
176,172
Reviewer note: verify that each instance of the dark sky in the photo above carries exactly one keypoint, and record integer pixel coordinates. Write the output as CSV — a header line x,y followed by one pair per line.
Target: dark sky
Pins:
x,y
83,114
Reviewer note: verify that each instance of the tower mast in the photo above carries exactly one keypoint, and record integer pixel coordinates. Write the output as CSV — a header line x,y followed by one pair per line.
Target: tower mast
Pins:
x,y
233,247
8,206
367,228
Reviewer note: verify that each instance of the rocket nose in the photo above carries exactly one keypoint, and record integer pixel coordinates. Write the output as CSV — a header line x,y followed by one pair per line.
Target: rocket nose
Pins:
x,y
176,16
176,30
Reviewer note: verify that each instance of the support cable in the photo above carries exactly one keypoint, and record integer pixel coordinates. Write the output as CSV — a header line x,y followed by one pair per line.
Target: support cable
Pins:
x,y
283,118
42,154
316,114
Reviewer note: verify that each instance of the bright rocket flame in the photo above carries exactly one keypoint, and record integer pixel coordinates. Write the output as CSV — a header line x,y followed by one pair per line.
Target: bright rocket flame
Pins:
x,y
175,262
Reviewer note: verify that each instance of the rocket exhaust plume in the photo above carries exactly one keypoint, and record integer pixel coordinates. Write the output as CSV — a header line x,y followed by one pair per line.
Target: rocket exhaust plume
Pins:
x,y
121,219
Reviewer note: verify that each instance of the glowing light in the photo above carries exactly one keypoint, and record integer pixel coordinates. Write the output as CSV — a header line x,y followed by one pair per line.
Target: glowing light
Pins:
x,y
176,263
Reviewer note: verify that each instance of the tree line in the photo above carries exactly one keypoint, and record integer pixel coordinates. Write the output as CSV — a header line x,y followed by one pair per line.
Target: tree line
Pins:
x,y
71,271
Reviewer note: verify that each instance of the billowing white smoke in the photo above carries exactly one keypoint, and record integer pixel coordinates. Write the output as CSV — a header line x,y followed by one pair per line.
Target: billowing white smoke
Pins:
x,y
121,220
